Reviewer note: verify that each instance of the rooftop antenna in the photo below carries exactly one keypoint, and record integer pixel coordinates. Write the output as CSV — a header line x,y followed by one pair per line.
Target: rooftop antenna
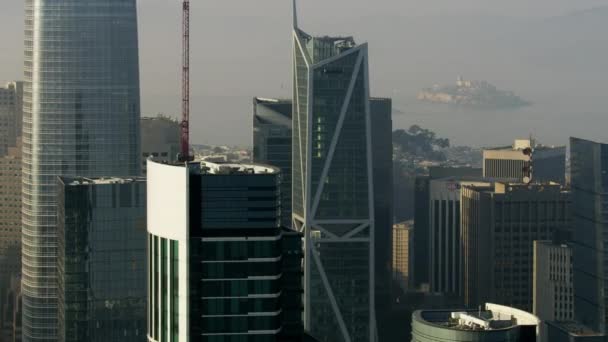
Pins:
x,y
185,124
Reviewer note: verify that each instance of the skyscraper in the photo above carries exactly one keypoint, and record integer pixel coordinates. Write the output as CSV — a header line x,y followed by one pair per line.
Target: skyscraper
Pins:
x,y
499,225
272,144
11,110
553,291
101,262
333,190
221,268
81,118
402,240
589,182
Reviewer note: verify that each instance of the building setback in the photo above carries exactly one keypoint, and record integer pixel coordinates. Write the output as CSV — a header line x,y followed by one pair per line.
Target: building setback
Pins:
x,y
81,112
445,266
101,259
589,177
160,138
553,295
11,115
499,225
221,268
272,144
510,162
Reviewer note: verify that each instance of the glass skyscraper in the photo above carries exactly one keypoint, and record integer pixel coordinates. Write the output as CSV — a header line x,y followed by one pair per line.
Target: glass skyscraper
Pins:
x,y
81,118
333,202
589,183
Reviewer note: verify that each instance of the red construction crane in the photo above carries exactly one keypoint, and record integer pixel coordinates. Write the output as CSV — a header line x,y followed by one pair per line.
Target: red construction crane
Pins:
x,y
185,125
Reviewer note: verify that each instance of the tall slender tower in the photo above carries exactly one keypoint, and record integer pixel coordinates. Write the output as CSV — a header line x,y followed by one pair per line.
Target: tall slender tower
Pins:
x,y
81,118
333,203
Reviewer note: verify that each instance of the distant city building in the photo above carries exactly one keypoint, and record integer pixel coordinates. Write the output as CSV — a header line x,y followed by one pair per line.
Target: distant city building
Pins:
x,y
499,225
508,163
553,295
272,144
221,268
445,266
101,261
160,139
589,172
402,240
11,115
81,116
489,323
10,219
333,190
421,256
570,331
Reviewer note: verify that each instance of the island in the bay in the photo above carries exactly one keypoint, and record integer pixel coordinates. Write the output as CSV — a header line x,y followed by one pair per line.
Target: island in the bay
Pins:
x,y
477,94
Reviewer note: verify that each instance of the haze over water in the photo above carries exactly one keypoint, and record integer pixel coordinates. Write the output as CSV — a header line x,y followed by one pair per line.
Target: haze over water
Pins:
x,y
553,53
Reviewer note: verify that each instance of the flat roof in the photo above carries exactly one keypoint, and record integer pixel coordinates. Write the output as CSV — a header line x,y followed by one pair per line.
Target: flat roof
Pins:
x,y
100,180
235,168
574,328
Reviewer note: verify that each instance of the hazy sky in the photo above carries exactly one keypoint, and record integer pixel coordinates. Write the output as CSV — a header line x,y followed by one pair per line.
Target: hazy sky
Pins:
x,y
241,49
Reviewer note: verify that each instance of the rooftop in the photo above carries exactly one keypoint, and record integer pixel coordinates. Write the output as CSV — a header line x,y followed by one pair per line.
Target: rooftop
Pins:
x,y
100,180
234,168
574,328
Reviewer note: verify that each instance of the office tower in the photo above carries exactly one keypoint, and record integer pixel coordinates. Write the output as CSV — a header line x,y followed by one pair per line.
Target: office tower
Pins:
x,y
101,259
509,162
445,266
81,118
589,176
272,144
499,224
402,240
421,257
570,331
492,323
333,191
11,104
10,219
221,268
553,295
159,139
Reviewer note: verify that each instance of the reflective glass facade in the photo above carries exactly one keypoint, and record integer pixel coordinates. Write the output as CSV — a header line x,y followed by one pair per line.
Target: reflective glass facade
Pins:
x,y
101,260
81,118
333,201
589,182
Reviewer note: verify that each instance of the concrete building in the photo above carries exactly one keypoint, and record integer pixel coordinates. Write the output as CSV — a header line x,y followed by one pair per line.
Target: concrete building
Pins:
x,y
493,323
510,162
589,176
160,137
221,268
11,115
499,224
81,112
101,259
333,189
421,257
272,144
445,266
402,240
553,295
10,219
570,331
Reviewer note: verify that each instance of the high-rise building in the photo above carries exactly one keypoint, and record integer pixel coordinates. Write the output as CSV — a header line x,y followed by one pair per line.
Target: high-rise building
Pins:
x,y
10,219
445,266
498,227
553,295
570,331
493,323
160,138
81,118
221,268
421,257
101,259
272,144
511,163
402,240
333,190
589,183
11,111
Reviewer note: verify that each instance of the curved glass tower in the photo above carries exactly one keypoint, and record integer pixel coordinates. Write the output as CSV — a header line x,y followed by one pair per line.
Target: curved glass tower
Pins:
x,y
81,118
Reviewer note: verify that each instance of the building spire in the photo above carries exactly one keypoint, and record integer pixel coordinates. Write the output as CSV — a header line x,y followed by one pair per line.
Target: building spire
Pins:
x,y
295,14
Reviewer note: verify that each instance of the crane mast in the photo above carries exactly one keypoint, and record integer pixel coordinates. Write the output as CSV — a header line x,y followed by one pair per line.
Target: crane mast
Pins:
x,y
185,124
